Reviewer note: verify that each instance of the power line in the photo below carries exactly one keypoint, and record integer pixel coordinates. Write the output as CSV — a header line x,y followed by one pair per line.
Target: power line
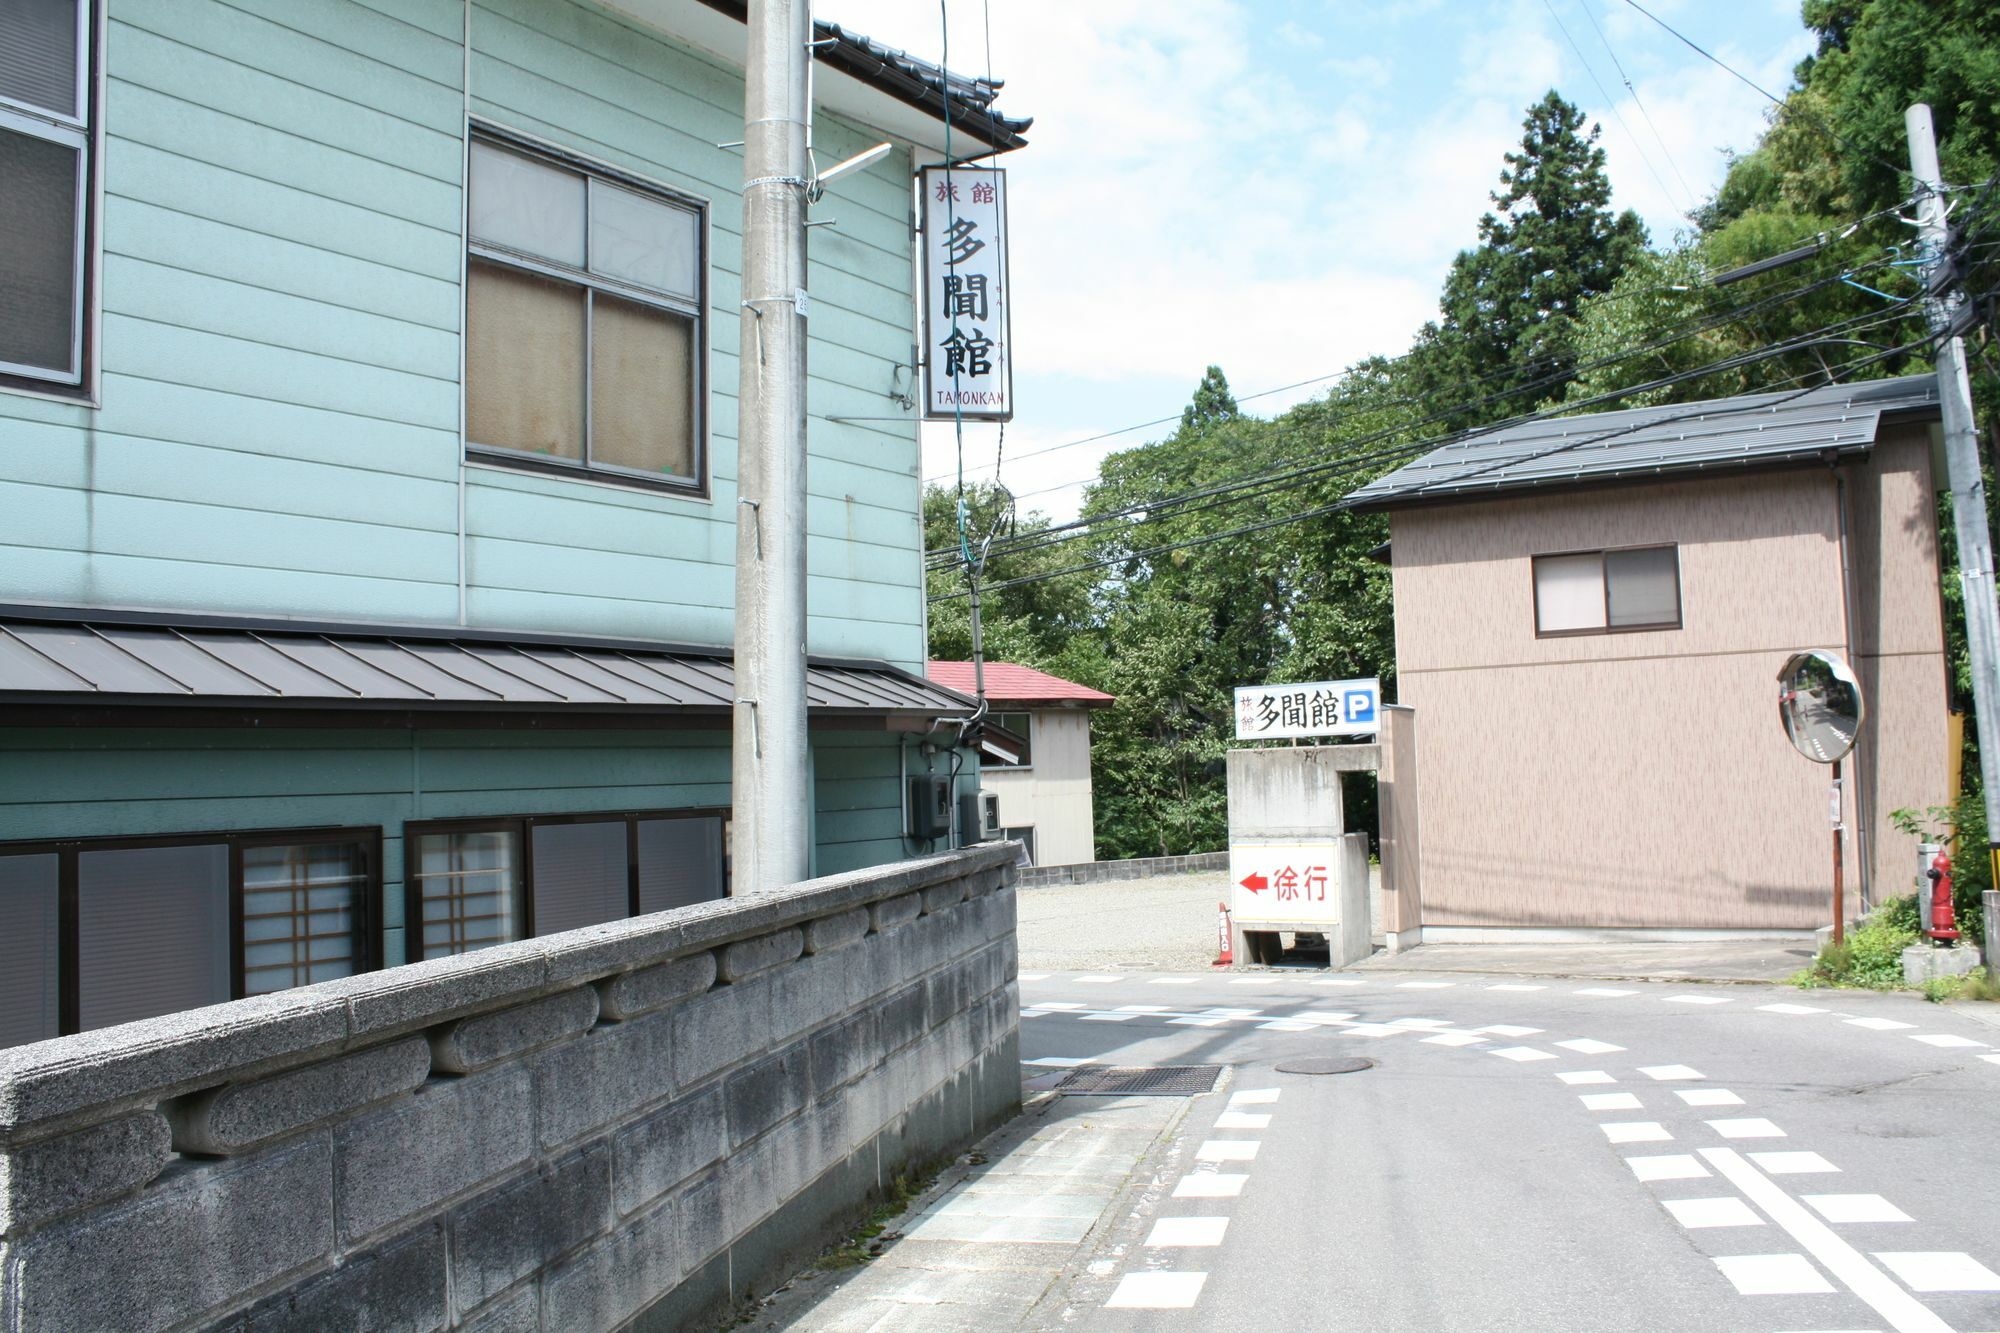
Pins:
x,y
1693,327
1319,511
1636,101
1609,101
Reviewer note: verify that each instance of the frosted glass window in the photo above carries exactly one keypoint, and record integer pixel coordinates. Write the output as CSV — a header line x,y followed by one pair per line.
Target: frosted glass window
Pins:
x,y
152,932
302,914
583,319
680,862
642,241
1644,587
641,387
524,371
526,205
468,891
29,950
41,239
1569,593
41,54
581,876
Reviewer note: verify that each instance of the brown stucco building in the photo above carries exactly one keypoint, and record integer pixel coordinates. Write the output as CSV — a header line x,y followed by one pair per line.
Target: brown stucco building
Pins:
x,y
1590,616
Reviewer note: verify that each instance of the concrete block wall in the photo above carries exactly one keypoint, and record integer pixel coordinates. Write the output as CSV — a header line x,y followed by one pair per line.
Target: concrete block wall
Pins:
x,y
1138,867
624,1125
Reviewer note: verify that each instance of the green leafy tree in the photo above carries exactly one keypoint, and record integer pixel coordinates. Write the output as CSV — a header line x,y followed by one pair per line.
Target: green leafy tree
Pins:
x,y
1027,623
1510,304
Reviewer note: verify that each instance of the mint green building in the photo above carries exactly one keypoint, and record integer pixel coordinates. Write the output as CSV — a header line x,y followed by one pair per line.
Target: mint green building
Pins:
x,y
367,480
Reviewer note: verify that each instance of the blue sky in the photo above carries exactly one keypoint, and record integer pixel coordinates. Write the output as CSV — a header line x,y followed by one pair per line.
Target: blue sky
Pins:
x,y
1278,186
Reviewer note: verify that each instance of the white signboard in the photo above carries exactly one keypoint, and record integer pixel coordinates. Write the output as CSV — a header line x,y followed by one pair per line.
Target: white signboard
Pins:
x,y
968,366
1317,708
1290,883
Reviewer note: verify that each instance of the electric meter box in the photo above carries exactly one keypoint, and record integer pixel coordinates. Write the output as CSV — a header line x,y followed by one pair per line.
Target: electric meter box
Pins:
x,y
930,806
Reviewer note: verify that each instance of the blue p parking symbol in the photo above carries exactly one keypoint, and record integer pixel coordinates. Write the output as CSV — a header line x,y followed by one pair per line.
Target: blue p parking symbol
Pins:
x,y
1359,706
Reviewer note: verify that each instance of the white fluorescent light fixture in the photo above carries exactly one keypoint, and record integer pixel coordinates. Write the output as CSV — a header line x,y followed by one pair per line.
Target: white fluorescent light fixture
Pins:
x,y
855,163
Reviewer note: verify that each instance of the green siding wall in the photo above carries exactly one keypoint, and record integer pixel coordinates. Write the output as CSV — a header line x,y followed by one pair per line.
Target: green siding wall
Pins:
x,y
57,783
278,426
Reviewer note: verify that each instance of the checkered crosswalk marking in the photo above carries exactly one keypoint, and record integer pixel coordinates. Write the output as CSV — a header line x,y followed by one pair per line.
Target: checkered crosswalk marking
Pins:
x,y
1157,1291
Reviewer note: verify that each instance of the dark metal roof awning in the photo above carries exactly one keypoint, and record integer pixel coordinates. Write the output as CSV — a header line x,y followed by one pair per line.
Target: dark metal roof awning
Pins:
x,y
112,658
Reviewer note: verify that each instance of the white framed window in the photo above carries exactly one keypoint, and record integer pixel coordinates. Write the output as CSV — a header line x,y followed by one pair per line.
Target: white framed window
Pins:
x,y
1607,592
45,168
584,304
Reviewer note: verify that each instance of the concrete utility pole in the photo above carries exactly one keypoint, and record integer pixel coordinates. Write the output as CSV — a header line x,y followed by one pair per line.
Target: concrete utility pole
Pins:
x,y
770,780
1968,492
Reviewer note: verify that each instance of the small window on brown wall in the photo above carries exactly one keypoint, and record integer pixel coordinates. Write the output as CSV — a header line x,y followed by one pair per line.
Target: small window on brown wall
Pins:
x,y
1608,592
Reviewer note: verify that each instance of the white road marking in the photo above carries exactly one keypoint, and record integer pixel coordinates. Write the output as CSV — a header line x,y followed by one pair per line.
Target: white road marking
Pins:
x,y
1507,1030
1511,986
1097,980
1247,981
1790,1009
1371,1030
1209,1185
1636,1131
1157,1291
1773,1275
1603,990
1941,1270
1424,985
1576,1076
1588,1046
1058,1004
1728,1211
1420,1023
1285,1025
1878,1024
1242,1120
1673,1166
1032,976
1904,1312
1227,1150
1994,1058
1197,1022
1232,1013
1108,1018
1664,1073
1701,999
1522,1053
1058,1061
1752,1127
1609,1101
1177,1231
1339,981
1793,1163
1946,1039
1455,1039
1855,1208
1321,1016
1254,1097
1173,981
1708,1097
1143,1009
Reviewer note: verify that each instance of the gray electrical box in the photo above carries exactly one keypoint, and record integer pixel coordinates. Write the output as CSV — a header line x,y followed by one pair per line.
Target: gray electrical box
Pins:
x,y
978,817
930,806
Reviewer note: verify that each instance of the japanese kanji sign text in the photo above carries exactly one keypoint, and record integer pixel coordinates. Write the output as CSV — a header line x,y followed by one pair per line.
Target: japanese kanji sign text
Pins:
x,y
968,371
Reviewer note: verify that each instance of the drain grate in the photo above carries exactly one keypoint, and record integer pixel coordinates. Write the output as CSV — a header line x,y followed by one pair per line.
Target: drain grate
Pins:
x,y
1140,1080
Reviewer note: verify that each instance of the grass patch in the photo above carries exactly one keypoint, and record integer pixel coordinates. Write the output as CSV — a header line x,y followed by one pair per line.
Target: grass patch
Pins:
x,y
1871,958
1978,984
873,1236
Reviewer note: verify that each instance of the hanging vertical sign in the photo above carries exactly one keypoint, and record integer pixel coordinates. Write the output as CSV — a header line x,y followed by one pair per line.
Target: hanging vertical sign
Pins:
x,y
968,366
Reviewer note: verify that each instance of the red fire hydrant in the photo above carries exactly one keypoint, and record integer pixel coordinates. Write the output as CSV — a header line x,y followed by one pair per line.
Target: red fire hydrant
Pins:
x,y
1944,923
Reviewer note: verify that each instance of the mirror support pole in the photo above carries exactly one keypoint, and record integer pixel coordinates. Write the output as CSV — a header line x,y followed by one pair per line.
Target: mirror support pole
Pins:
x,y
1839,895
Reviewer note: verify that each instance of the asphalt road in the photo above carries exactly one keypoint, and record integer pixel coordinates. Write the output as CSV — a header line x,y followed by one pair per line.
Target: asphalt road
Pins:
x,y
1528,1155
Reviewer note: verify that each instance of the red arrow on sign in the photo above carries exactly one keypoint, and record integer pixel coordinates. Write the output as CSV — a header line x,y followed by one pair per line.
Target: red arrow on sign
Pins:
x,y
1255,883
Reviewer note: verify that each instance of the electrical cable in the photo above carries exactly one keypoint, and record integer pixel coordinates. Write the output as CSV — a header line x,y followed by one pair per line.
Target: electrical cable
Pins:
x,y
1633,88
1609,101
1707,409
1690,328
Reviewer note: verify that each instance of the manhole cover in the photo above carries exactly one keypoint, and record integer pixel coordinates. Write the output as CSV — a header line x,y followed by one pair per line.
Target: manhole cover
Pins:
x,y
1352,1065
1140,1080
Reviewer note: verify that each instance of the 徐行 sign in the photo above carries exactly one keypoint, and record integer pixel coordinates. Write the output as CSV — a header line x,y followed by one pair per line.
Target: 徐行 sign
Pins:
x,y
1317,708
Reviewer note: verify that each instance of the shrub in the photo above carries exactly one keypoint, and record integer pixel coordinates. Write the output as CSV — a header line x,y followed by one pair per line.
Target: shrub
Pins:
x,y
1871,958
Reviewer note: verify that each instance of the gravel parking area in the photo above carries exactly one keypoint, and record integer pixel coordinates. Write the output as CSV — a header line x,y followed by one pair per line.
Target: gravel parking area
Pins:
x,y
1165,924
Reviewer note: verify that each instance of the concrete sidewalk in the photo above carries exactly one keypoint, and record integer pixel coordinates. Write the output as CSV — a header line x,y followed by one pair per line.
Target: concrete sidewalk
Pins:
x,y
1738,961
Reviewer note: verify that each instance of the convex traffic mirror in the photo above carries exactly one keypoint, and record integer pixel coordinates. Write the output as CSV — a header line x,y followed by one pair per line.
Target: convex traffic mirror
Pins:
x,y
1819,701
